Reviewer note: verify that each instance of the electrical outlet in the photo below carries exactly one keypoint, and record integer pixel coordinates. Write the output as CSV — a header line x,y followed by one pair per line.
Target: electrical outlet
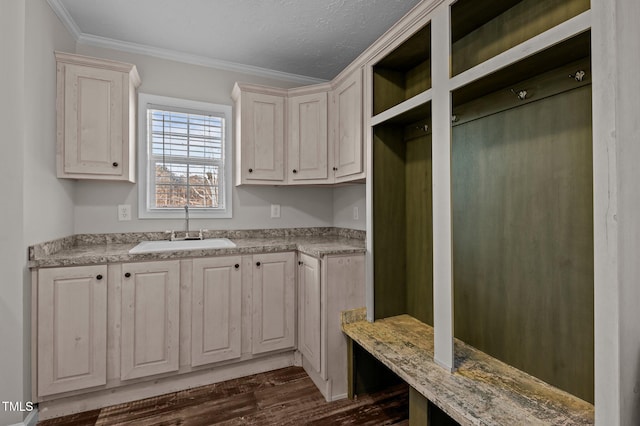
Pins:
x,y
124,212
356,213
275,211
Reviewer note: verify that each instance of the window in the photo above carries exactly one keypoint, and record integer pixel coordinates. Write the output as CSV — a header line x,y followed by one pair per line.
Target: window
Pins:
x,y
185,158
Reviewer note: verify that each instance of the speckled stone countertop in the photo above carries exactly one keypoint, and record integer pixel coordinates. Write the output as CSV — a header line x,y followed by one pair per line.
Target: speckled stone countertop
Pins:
x,y
482,390
88,249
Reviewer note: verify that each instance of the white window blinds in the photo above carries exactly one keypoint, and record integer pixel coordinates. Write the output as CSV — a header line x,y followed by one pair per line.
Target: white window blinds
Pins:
x,y
186,158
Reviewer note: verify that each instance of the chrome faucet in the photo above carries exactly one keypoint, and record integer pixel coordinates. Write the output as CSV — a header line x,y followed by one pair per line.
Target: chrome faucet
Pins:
x,y
186,217
187,230
172,234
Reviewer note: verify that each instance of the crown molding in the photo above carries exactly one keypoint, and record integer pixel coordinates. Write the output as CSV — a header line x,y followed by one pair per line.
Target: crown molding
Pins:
x,y
62,13
189,58
173,55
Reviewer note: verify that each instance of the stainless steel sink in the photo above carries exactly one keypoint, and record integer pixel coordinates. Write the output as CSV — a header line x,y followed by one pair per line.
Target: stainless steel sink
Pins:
x,y
164,245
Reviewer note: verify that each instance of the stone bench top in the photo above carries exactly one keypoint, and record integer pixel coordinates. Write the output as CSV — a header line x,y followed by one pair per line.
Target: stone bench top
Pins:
x,y
482,390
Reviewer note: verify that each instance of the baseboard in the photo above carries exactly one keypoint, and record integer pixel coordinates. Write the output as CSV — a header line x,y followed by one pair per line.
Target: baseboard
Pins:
x,y
338,397
30,420
326,387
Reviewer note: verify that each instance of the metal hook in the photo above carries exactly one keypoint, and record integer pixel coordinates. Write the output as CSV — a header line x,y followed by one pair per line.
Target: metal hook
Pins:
x,y
578,76
424,128
454,118
521,94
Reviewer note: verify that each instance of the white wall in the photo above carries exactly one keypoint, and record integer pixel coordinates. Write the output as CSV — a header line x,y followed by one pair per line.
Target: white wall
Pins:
x,y
345,198
96,202
48,210
300,207
37,207
12,387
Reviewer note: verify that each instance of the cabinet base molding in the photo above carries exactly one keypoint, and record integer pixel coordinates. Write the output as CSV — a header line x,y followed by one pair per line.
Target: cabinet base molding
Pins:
x,y
324,386
106,397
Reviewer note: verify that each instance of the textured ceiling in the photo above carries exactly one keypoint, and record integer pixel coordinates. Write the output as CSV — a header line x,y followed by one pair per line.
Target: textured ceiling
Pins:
x,y
313,38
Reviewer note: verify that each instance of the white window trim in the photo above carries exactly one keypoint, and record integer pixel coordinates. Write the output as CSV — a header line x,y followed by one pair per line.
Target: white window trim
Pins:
x,y
145,99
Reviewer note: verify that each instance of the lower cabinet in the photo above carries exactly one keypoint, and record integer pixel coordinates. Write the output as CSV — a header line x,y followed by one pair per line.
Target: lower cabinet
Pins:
x,y
326,287
216,310
72,328
273,300
150,319
102,327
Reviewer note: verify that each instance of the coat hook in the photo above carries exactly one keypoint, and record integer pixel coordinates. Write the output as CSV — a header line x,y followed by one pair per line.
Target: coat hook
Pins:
x,y
521,94
454,118
424,128
578,76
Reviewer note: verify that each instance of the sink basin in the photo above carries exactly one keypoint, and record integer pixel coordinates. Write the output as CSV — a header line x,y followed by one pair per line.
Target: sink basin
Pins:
x,y
164,245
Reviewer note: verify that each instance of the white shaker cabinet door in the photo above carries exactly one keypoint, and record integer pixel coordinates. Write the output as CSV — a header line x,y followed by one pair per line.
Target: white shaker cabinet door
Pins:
x,y
308,155
309,301
93,122
150,318
273,299
262,138
347,128
72,328
216,309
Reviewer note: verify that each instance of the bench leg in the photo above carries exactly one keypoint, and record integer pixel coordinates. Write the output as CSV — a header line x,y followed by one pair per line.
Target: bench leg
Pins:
x,y
350,369
418,409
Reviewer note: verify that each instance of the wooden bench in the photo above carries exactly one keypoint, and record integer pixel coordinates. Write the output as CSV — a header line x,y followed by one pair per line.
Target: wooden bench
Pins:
x,y
482,390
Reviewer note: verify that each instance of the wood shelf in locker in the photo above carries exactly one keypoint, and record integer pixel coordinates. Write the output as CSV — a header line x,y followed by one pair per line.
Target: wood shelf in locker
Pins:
x,y
483,30
530,48
401,110
403,73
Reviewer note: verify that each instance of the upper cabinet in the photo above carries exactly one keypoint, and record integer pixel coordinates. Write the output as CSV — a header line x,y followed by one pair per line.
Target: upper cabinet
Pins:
x,y
310,135
308,158
260,134
96,118
346,126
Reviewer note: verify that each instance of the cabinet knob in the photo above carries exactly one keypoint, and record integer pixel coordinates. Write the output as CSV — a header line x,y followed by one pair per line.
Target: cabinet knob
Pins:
x,y
335,169
236,266
295,171
127,275
258,264
300,262
250,170
115,164
98,277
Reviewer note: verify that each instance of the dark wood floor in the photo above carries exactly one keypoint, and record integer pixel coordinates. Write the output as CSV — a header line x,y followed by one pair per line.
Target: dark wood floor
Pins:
x,y
282,397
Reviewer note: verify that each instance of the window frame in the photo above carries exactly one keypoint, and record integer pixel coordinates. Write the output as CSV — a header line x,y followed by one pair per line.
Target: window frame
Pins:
x,y
146,183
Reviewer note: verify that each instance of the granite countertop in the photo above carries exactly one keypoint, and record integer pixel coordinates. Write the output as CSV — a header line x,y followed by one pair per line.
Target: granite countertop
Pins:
x,y
482,390
89,249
